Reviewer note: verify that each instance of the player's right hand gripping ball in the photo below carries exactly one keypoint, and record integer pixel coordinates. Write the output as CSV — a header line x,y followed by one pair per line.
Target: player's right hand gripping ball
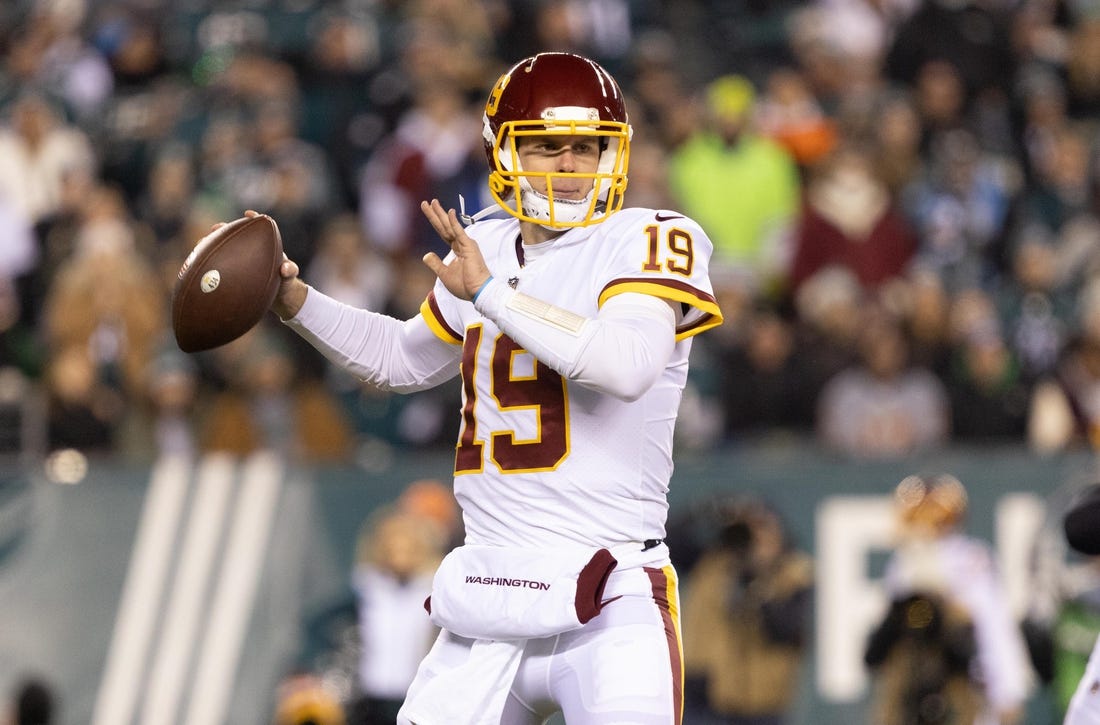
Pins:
x,y
227,283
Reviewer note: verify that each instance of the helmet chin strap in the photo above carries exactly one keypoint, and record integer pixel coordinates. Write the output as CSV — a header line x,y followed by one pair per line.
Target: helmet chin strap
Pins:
x,y
537,205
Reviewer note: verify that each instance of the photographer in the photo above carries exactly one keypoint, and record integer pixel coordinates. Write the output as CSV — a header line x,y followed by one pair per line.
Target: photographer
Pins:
x,y
948,651
921,654
746,606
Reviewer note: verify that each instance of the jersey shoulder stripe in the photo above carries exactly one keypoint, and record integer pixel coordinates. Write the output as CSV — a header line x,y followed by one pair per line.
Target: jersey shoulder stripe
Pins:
x,y
674,290
429,310
691,327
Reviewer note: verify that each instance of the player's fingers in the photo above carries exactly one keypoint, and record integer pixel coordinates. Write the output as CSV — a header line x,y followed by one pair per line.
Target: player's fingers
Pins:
x,y
433,262
456,227
451,229
218,225
447,225
251,213
288,269
437,218
434,211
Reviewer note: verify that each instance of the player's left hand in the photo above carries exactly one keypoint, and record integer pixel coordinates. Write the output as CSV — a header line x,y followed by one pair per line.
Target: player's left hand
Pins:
x,y
467,272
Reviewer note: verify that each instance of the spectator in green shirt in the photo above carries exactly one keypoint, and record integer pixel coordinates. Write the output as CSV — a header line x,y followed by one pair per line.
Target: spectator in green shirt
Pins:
x,y
741,186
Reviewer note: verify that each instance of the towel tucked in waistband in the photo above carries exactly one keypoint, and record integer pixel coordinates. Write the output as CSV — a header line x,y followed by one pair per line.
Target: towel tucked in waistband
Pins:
x,y
499,593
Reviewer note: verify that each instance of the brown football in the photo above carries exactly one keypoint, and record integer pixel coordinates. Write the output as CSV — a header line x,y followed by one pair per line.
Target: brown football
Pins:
x,y
227,283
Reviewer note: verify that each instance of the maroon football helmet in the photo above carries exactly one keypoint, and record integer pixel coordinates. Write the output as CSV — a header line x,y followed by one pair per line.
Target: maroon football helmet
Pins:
x,y
556,94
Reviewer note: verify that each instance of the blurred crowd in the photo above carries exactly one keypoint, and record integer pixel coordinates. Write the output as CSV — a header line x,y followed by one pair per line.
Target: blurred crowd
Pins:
x,y
902,196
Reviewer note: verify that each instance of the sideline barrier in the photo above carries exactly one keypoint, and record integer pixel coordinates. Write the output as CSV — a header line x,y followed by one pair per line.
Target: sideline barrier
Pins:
x,y
179,593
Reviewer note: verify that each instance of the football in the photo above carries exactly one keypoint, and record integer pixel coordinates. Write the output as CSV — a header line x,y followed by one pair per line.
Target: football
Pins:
x,y
227,283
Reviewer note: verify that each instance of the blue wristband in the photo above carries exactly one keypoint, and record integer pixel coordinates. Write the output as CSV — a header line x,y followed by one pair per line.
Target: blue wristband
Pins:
x,y
481,288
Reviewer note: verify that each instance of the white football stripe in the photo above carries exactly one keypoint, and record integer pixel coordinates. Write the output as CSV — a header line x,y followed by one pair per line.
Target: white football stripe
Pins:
x,y
204,529
142,591
240,576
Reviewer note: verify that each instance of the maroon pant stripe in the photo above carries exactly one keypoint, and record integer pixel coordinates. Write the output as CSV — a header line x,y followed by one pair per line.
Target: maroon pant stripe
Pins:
x,y
664,589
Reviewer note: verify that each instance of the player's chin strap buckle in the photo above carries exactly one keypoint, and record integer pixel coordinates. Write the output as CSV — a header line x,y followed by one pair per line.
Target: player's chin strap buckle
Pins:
x,y
468,219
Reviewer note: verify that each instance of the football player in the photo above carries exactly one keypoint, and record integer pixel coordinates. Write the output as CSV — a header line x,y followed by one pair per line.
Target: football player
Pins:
x,y
569,320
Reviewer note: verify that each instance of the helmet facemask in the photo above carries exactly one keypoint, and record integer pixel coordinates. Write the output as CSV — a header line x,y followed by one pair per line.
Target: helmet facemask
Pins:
x,y
510,184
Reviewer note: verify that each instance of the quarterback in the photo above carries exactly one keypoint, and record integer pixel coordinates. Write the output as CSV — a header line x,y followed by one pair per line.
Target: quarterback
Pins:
x,y
568,320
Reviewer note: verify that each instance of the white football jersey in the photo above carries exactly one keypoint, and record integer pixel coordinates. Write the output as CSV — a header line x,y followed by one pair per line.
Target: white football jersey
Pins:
x,y
541,460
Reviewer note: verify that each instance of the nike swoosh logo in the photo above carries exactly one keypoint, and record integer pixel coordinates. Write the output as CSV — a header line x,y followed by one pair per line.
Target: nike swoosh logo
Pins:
x,y
664,218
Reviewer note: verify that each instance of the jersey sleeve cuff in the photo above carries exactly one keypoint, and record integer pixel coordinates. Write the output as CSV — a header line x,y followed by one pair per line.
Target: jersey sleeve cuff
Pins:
x,y
493,298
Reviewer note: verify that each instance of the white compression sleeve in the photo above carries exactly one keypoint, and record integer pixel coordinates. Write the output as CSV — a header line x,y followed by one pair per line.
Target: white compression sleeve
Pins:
x,y
622,351
394,355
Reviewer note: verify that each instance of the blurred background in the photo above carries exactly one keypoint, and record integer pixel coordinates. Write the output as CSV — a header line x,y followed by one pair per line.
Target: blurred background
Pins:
x,y
903,197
